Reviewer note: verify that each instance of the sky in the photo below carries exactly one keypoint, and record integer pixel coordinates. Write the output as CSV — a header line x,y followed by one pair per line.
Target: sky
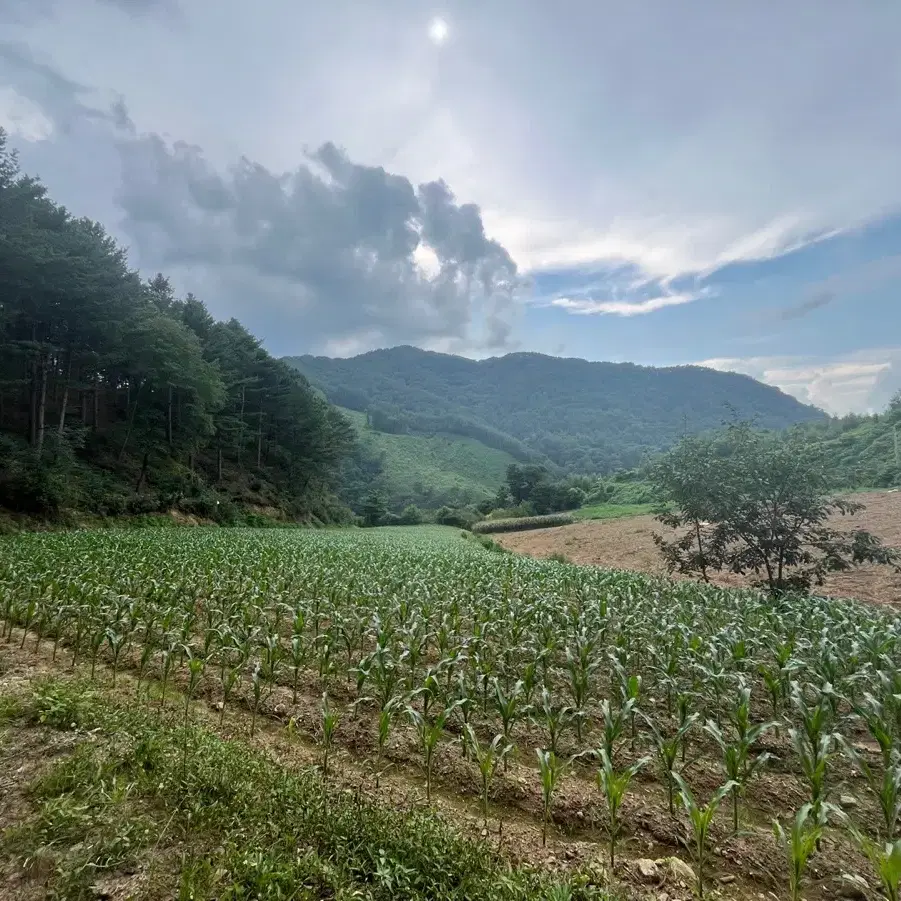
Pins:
x,y
664,183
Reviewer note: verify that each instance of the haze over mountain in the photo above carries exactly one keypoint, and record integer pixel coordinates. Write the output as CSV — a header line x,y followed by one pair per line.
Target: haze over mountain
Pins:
x,y
581,416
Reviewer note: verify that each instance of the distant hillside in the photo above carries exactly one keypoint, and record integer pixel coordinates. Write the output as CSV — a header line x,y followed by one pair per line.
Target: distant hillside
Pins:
x,y
428,471
576,415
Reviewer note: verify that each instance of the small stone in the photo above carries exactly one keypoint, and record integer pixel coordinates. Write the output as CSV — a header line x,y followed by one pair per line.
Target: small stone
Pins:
x,y
678,870
727,879
580,814
484,833
847,801
218,706
647,869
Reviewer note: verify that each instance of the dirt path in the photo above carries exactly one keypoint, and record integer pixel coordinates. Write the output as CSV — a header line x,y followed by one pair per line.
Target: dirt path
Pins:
x,y
629,544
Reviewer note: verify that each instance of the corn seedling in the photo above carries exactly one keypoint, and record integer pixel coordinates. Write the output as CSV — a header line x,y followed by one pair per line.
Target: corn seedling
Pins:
x,y
613,785
700,818
799,843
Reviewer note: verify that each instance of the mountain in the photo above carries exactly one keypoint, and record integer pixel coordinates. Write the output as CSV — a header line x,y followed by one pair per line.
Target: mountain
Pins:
x,y
574,415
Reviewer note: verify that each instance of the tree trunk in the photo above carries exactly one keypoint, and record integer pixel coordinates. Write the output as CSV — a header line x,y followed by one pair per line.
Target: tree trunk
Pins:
x,y
143,474
96,419
259,438
65,399
42,406
33,405
131,420
83,396
219,462
241,429
169,419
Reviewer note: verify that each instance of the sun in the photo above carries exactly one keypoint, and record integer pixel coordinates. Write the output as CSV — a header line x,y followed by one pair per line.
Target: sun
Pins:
x,y
438,31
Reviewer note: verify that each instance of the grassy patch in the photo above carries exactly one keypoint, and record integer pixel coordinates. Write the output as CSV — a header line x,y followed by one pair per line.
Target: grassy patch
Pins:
x,y
142,787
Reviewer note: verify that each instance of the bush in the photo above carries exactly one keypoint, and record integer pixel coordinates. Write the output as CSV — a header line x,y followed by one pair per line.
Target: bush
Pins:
x,y
32,485
459,517
520,525
411,516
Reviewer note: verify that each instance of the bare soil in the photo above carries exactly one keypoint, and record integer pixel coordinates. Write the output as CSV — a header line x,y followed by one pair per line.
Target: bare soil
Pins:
x,y
629,544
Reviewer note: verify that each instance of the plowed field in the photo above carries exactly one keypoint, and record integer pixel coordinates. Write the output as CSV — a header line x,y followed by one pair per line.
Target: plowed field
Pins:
x,y
629,544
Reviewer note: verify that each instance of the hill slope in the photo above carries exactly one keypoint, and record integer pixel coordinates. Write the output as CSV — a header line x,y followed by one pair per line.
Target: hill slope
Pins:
x,y
581,416
427,470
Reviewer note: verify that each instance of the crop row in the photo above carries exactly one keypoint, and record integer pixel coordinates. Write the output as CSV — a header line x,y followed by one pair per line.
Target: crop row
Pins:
x,y
569,664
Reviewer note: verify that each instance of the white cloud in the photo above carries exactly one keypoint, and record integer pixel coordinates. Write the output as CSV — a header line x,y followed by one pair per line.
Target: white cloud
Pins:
x,y
688,136
622,307
861,382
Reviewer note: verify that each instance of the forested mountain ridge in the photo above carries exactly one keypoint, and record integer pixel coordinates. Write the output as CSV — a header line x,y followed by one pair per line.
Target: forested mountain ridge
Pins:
x,y
118,397
577,415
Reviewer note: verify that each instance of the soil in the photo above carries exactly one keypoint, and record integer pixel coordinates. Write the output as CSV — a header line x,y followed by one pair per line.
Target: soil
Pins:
x,y
629,544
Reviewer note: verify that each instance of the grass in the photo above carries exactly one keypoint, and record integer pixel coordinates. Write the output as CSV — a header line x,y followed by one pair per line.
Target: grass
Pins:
x,y
178,812
611,511
433,471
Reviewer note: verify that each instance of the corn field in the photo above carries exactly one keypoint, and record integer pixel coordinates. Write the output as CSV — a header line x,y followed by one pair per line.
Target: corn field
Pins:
x,y
604,693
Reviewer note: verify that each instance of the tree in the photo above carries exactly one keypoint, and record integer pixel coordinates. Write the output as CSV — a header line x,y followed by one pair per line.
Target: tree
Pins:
x,y
374,509
751,502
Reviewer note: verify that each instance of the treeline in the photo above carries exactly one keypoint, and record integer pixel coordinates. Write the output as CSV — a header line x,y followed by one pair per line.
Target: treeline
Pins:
x,y
118,397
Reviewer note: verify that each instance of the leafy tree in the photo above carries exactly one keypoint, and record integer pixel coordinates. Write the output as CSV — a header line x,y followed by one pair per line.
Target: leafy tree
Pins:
x,y
116,394
374,509
750,502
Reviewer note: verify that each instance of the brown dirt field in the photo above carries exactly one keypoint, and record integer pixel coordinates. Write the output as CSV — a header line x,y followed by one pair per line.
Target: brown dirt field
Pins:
x,y
629,544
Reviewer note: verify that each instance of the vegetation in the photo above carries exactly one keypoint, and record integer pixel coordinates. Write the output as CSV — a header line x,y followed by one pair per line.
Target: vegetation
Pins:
x,y
521,524
584,417
428,471
237,818
117,397
418,639
749,502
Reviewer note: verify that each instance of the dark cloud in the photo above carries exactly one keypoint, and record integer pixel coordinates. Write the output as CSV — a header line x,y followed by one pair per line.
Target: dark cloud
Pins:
x,y
799,311
326,253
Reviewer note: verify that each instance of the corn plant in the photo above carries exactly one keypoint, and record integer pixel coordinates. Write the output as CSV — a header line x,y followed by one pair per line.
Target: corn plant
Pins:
x,y
551,768
799,844
886,860
814,745
738,761
884,782
700,818
509,710
613,785
487,758
429,731
553,717
668,747
386,719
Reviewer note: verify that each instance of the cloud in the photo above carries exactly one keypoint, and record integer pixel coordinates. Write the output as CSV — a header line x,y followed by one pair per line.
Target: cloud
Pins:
x,y
329,250
856,382
622,307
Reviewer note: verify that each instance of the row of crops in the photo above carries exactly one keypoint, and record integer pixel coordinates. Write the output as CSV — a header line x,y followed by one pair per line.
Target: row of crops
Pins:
x,y
696,692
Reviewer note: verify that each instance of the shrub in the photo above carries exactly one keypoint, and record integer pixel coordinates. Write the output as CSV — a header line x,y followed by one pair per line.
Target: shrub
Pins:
x,y
460,517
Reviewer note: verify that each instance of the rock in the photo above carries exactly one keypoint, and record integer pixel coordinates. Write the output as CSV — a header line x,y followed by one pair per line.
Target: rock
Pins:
x,y
847,801
218,705
852,886
727,879
678,870
647,869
